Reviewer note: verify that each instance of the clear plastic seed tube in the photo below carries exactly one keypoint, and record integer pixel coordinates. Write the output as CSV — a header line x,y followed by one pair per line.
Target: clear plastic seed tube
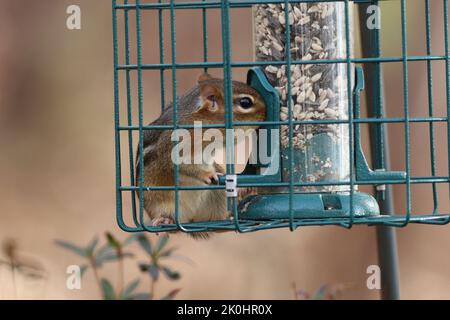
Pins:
x,y
319,91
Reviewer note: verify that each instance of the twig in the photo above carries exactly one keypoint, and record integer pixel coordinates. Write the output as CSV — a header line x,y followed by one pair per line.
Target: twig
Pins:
x,y
152,288
121,276
97,277
294,287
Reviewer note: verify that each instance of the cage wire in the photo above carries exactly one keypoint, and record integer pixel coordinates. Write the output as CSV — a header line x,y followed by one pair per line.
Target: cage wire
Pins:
x,y
318,38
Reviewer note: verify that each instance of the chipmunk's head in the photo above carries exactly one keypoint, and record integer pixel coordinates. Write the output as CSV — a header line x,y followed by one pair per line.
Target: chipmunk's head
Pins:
x,y
247,103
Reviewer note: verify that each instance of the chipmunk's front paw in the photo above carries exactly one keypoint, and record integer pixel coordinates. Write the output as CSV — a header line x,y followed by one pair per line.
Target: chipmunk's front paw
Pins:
x,y
162,220
212,178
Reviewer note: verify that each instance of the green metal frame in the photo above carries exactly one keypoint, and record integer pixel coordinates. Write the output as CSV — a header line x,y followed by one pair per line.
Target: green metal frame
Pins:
x,y
363,172
360,174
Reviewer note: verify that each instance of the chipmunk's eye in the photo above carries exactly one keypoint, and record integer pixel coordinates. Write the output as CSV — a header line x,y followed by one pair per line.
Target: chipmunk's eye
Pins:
x,y
245,102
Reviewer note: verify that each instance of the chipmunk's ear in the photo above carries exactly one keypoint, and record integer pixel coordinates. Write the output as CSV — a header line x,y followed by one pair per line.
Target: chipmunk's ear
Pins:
x,y
204,77
210,94
208,89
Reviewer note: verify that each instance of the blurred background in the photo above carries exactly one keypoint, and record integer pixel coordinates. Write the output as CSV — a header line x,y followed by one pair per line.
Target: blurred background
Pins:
x,y
58,173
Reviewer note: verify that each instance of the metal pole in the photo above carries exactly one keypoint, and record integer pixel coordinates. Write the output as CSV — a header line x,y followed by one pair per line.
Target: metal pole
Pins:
x,y
386,237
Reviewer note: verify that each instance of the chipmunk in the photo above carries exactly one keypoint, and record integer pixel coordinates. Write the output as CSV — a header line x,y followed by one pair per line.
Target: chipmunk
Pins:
x,y
206,103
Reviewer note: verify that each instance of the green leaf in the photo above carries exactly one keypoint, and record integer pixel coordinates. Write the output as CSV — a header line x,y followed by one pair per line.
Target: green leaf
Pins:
x,y
129,289
112,241
106,257
145,244
105,253
83,269
72,247
162,243
102,253
320,293
153,270
130,239
140,296
171,275
107,289
105,248
92,246
171,295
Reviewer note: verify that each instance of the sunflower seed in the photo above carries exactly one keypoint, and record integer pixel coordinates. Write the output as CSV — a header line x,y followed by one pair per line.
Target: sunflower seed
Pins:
x,y
330,112
316,77
313,9
316,47
301,97
297,12
323,105
304,20
272,69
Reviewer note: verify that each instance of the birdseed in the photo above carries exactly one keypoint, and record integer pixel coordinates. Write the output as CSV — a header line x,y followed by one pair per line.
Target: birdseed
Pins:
x,y
318,90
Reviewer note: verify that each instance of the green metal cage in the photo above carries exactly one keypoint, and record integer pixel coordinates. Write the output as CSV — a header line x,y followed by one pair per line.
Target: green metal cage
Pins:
x,y
290,209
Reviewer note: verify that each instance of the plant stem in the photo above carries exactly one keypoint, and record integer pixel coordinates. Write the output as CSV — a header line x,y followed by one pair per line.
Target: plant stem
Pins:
x,y
152,288
121,276
13,274
97,277
294,287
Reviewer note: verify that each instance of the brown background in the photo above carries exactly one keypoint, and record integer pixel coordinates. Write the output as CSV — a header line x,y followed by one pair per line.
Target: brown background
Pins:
x,y
57,163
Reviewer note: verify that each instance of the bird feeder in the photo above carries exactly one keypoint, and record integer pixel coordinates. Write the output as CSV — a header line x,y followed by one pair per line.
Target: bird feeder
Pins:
x,y
308,46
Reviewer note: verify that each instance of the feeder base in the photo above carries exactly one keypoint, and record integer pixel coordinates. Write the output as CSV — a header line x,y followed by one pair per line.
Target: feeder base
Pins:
x,y
307,205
